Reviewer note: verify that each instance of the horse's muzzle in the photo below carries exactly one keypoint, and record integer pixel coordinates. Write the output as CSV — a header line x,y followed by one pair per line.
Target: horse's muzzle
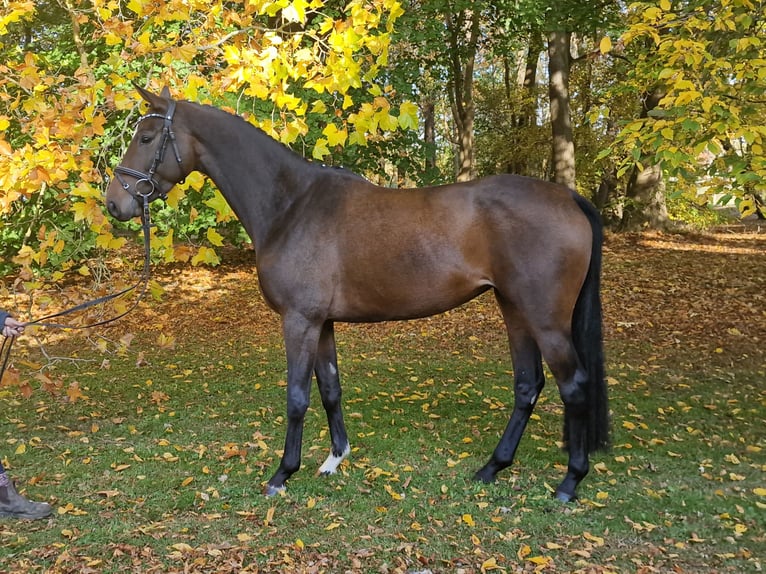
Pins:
x,y
122,206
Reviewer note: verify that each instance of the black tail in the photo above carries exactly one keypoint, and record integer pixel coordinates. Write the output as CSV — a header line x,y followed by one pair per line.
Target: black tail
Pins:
x,y
587,334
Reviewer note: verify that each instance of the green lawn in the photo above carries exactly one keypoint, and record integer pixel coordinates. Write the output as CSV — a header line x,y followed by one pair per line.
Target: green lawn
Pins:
x,y
156,459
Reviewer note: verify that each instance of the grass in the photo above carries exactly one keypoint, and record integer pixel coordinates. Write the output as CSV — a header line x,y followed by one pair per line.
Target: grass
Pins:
x,y
162,466
155,459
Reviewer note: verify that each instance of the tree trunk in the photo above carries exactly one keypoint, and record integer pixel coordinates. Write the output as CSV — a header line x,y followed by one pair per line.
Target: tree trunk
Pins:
x,y
429,134
463,30
645,194
559,60
529,81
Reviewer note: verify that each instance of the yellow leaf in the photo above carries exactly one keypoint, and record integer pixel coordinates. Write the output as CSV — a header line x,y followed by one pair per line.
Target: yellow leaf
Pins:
x,y
408,116
205,255
468,519
395,495
332,526
136,6
269,516
489,564
759,491
74,392
665,5
182,547
244,537
597,540
295,12
320,149
334,135
217,202
605,46
21,449
187,481
318,107
108,493
167,342
746,208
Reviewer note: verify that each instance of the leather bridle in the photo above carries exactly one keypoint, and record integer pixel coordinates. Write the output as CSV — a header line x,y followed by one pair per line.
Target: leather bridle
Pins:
x,y
143,190
145,186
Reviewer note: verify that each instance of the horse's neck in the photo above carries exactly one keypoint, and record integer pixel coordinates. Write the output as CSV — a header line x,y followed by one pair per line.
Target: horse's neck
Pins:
x,y
258,176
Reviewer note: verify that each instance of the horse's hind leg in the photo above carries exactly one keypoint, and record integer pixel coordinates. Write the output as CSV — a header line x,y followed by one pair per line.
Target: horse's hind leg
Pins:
x,y
559,352
528,382
328,381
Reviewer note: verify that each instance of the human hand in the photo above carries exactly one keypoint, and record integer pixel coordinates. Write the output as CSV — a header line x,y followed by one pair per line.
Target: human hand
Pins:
x,y
12,327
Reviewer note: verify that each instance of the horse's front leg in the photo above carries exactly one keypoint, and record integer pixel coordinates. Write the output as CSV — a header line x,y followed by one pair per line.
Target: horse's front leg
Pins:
x,y
328,381
301,339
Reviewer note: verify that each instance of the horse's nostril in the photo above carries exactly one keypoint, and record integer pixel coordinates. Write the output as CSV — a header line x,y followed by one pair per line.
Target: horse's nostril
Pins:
x,y
112,207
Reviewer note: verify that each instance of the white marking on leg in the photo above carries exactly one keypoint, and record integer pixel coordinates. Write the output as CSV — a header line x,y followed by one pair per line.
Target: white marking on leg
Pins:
x,y
333,370
330,466
271,491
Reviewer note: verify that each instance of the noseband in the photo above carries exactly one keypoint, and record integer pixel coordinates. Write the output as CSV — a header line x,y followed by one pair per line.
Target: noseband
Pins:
x,y
146,186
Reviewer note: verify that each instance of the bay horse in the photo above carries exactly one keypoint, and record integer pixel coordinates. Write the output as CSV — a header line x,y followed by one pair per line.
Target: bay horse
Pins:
x,y
330,246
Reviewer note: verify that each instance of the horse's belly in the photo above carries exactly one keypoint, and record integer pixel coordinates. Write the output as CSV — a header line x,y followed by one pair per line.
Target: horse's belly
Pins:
x,y
397,297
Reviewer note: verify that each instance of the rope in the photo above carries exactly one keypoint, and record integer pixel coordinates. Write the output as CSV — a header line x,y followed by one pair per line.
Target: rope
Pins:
x,y
5,349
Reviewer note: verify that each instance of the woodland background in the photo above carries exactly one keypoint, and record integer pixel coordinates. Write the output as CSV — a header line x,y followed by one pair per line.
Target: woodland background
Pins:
x,y
152,438
654,110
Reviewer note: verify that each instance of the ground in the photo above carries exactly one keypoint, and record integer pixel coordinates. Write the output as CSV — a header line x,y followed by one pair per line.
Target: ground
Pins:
x,y
153,437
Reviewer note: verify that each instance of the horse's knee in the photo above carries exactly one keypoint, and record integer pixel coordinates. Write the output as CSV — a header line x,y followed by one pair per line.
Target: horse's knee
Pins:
x,y
297,405
331,396
527,389
574,392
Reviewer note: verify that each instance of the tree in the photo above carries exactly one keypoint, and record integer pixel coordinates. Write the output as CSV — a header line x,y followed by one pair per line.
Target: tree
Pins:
x,y
306,73
645,192
563,151
707,130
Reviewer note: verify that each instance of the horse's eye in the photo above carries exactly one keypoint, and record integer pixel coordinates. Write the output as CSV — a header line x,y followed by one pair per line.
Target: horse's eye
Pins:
x,y
146,138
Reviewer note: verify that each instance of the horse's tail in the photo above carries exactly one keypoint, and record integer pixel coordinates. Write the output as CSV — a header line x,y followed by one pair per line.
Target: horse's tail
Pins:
x,y
587,335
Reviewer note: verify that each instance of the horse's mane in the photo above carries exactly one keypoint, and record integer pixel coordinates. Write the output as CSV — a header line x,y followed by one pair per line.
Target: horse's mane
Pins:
x,y
292,152
248,125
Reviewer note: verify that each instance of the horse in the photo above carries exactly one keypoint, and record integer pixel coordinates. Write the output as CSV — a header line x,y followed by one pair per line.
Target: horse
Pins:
x,y
331,247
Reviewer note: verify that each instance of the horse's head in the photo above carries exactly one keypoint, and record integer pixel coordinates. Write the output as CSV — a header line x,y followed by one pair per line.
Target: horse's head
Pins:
x,y
158,157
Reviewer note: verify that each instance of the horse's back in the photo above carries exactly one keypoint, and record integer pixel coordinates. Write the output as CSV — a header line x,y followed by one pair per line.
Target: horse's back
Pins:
x,y
405,253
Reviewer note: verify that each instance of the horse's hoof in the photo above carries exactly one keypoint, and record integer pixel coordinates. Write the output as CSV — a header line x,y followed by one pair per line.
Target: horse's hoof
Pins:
x,y
272,490
483,476
564,497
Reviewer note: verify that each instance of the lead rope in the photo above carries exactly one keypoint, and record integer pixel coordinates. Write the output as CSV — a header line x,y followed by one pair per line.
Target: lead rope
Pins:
x,y
5,349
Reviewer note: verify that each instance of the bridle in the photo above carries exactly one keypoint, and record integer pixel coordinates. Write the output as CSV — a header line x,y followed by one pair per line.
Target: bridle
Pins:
x,y
145,186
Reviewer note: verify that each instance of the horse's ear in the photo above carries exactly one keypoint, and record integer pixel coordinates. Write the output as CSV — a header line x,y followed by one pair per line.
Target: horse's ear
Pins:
x,y
153,99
